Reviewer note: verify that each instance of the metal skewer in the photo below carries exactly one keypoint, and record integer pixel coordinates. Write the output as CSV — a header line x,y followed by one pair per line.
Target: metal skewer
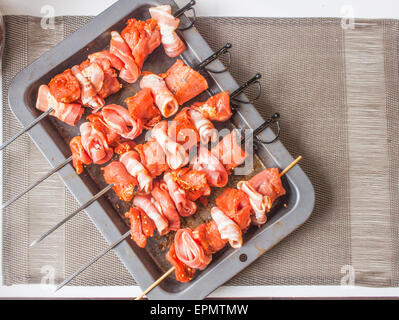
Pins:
x,y
126,235
178,13
167,273
27,128
202,65
71,215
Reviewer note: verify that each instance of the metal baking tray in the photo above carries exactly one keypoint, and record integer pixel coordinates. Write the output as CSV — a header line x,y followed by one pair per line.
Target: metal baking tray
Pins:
x,y
52,136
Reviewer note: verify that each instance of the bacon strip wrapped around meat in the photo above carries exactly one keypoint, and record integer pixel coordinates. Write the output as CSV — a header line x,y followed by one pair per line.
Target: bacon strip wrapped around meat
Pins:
x,y
183,273
142,37
206,130
176,155
160,193
79,154
106,60
124,184
95,144
117,118
131,160
146,204
164,99
216,108
184,82
182,130
130,71
229,151
97,121
263,189
229,230
88,93
205,161
141,226
141,107
188,251
184,206
235,204
70,113
172,43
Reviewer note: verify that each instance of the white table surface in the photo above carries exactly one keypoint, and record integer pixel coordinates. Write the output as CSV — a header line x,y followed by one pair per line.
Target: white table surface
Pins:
x,y
258,8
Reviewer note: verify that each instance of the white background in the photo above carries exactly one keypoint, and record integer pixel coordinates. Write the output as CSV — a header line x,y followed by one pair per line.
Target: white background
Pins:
x,y
258,8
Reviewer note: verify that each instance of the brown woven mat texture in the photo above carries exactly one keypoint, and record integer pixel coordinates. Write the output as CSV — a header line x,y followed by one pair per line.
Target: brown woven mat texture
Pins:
x,y
337,90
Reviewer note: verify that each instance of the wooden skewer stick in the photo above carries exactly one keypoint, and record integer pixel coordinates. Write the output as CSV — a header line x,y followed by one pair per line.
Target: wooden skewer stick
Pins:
x,y
167,273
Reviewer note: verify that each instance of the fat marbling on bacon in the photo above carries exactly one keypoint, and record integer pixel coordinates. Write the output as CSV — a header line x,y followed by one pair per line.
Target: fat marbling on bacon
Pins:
x,y
117,118
130,71
147,204
164,99
168,24
95,144
161,195
176,155
229,230
131,160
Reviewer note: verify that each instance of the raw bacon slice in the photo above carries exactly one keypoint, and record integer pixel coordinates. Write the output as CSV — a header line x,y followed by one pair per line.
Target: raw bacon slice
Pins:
x,y
95,144
152,157
145,204
124,184
183,273
94,73
176,156
106,60
99,124
228,229
216,174
260,204
235,204
124,146
216,108
189,251
184,206
229,152
118,119
208,236
164,99
141,226
184,82
161,195
131,160
88,95
268,183
64,87
172,43
142,37
141,106
183,131
79,154
69,113
193,182
130,71
206,130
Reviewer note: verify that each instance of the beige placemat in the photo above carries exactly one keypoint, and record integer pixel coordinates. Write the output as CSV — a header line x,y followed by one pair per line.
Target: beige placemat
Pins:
x,y
337,91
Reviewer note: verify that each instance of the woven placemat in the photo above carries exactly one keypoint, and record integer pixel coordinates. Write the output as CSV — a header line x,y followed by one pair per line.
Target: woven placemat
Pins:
x,y
337,91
